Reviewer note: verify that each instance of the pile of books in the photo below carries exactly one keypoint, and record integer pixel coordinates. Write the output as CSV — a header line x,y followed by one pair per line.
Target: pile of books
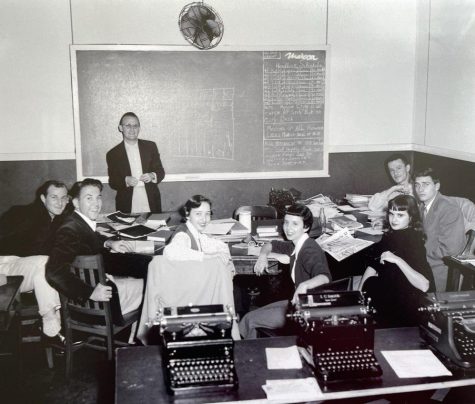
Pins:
x,y
267,231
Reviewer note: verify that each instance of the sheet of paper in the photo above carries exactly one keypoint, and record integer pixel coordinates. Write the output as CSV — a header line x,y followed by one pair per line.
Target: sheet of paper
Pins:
x,y
352,217
371,231
155,224
415,363
346,208
292,390
218,228
226,220
283,358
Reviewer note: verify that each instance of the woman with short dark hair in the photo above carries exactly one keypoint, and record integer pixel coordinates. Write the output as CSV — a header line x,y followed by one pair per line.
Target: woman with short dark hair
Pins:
x,y
398,272
308,269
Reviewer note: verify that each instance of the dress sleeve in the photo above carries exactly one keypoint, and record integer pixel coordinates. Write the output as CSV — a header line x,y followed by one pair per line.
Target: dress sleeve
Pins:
x,y
180,249
315,263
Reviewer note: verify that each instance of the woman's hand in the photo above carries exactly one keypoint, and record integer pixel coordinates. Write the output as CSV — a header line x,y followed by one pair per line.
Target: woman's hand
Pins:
x,y
388,256
301,289
261,265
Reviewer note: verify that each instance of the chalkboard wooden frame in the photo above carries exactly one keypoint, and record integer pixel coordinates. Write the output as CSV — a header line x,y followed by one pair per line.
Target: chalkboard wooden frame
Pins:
x,y
99,121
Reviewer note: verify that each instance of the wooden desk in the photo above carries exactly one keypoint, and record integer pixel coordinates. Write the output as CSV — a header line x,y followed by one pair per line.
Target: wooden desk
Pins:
x,y
139,377
461,275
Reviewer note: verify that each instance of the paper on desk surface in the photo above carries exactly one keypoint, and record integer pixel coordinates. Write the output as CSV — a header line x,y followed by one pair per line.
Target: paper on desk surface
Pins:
x,y
371,231
292,390
218,228
283,358
415,363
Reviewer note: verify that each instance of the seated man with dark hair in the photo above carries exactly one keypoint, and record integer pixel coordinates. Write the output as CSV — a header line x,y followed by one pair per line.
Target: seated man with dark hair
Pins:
x,y
443,224
25,240
308,269
77,236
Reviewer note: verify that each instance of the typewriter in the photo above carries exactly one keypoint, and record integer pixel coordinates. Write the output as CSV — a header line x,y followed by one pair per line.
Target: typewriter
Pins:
x,y
337,331
197,348
448,325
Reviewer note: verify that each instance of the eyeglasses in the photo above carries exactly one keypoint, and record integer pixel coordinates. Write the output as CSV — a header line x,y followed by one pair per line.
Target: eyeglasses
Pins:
x,y
131,126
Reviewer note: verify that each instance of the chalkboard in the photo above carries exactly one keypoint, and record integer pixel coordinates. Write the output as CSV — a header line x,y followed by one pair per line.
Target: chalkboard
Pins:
x,y
213,114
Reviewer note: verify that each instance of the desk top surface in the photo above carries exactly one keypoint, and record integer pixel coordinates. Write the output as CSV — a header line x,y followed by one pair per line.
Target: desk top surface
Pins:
x,y
139,375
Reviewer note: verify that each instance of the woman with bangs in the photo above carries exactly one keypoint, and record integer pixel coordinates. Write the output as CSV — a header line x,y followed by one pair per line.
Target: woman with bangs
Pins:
x,y
397,272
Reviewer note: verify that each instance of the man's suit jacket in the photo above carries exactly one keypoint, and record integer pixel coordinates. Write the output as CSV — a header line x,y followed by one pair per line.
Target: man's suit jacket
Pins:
x,y
444,229
118,168
74,237
27,230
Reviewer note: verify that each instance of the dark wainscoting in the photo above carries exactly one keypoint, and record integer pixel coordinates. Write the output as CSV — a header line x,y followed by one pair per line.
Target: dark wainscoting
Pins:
x,y
457,177
361,172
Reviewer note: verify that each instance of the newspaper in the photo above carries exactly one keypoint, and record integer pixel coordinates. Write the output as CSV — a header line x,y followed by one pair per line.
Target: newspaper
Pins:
x,y
342,244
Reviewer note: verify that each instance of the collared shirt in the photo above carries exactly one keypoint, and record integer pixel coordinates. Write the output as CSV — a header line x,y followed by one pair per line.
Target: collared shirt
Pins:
x,y
139,195
428,205
92,224
295,254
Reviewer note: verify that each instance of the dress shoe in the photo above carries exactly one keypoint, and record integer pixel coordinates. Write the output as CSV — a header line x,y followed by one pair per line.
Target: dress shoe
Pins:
x,y
58,341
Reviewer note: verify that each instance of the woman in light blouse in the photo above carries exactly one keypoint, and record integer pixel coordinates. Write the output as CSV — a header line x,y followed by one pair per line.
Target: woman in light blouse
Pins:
x,y
189,242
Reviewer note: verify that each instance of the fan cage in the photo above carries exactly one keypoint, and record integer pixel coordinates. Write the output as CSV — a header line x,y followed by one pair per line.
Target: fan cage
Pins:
x,y
202,37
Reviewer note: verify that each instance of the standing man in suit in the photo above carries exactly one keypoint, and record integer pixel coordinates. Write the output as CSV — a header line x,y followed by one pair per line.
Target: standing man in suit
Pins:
x,y
443,224
135,169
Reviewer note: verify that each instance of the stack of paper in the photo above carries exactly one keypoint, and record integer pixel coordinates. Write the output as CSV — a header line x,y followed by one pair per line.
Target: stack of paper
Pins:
x,y
292,390
267,231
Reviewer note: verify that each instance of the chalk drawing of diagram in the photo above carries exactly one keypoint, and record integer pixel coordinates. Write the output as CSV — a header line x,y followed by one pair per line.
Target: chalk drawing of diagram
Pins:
x,y
204,125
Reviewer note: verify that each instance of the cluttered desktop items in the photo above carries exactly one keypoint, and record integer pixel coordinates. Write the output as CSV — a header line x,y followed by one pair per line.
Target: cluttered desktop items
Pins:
x,y
197,348
337,332
448,326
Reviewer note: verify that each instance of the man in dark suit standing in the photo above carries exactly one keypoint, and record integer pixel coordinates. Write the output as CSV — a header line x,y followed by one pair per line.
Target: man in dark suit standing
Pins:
x,y
135,169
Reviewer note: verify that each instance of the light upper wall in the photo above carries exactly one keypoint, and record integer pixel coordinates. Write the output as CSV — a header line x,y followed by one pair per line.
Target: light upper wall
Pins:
x,y
35,80
380,58
450,124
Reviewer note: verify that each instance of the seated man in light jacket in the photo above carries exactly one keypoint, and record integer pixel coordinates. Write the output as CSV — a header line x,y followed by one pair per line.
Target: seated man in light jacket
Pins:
x,y
399,170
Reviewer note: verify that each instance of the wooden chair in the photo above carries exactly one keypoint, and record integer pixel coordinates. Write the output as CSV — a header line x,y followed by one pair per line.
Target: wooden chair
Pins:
x,y
101,320
258,212
29,323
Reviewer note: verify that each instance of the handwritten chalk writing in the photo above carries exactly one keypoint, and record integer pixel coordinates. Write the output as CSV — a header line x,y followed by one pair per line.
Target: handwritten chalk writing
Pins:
x,y
300,56
293,110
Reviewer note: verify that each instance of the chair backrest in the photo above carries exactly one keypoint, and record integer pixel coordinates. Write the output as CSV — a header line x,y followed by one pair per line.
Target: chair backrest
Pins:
x,y
90,269
468,211
258,212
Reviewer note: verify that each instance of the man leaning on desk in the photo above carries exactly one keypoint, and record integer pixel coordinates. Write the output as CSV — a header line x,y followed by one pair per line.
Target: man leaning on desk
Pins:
x,y
77,236
135,169
399,170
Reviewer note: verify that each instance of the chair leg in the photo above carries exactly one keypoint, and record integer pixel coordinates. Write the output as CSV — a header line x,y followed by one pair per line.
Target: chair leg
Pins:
x,y
69,352
49,357
133,329
110,343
